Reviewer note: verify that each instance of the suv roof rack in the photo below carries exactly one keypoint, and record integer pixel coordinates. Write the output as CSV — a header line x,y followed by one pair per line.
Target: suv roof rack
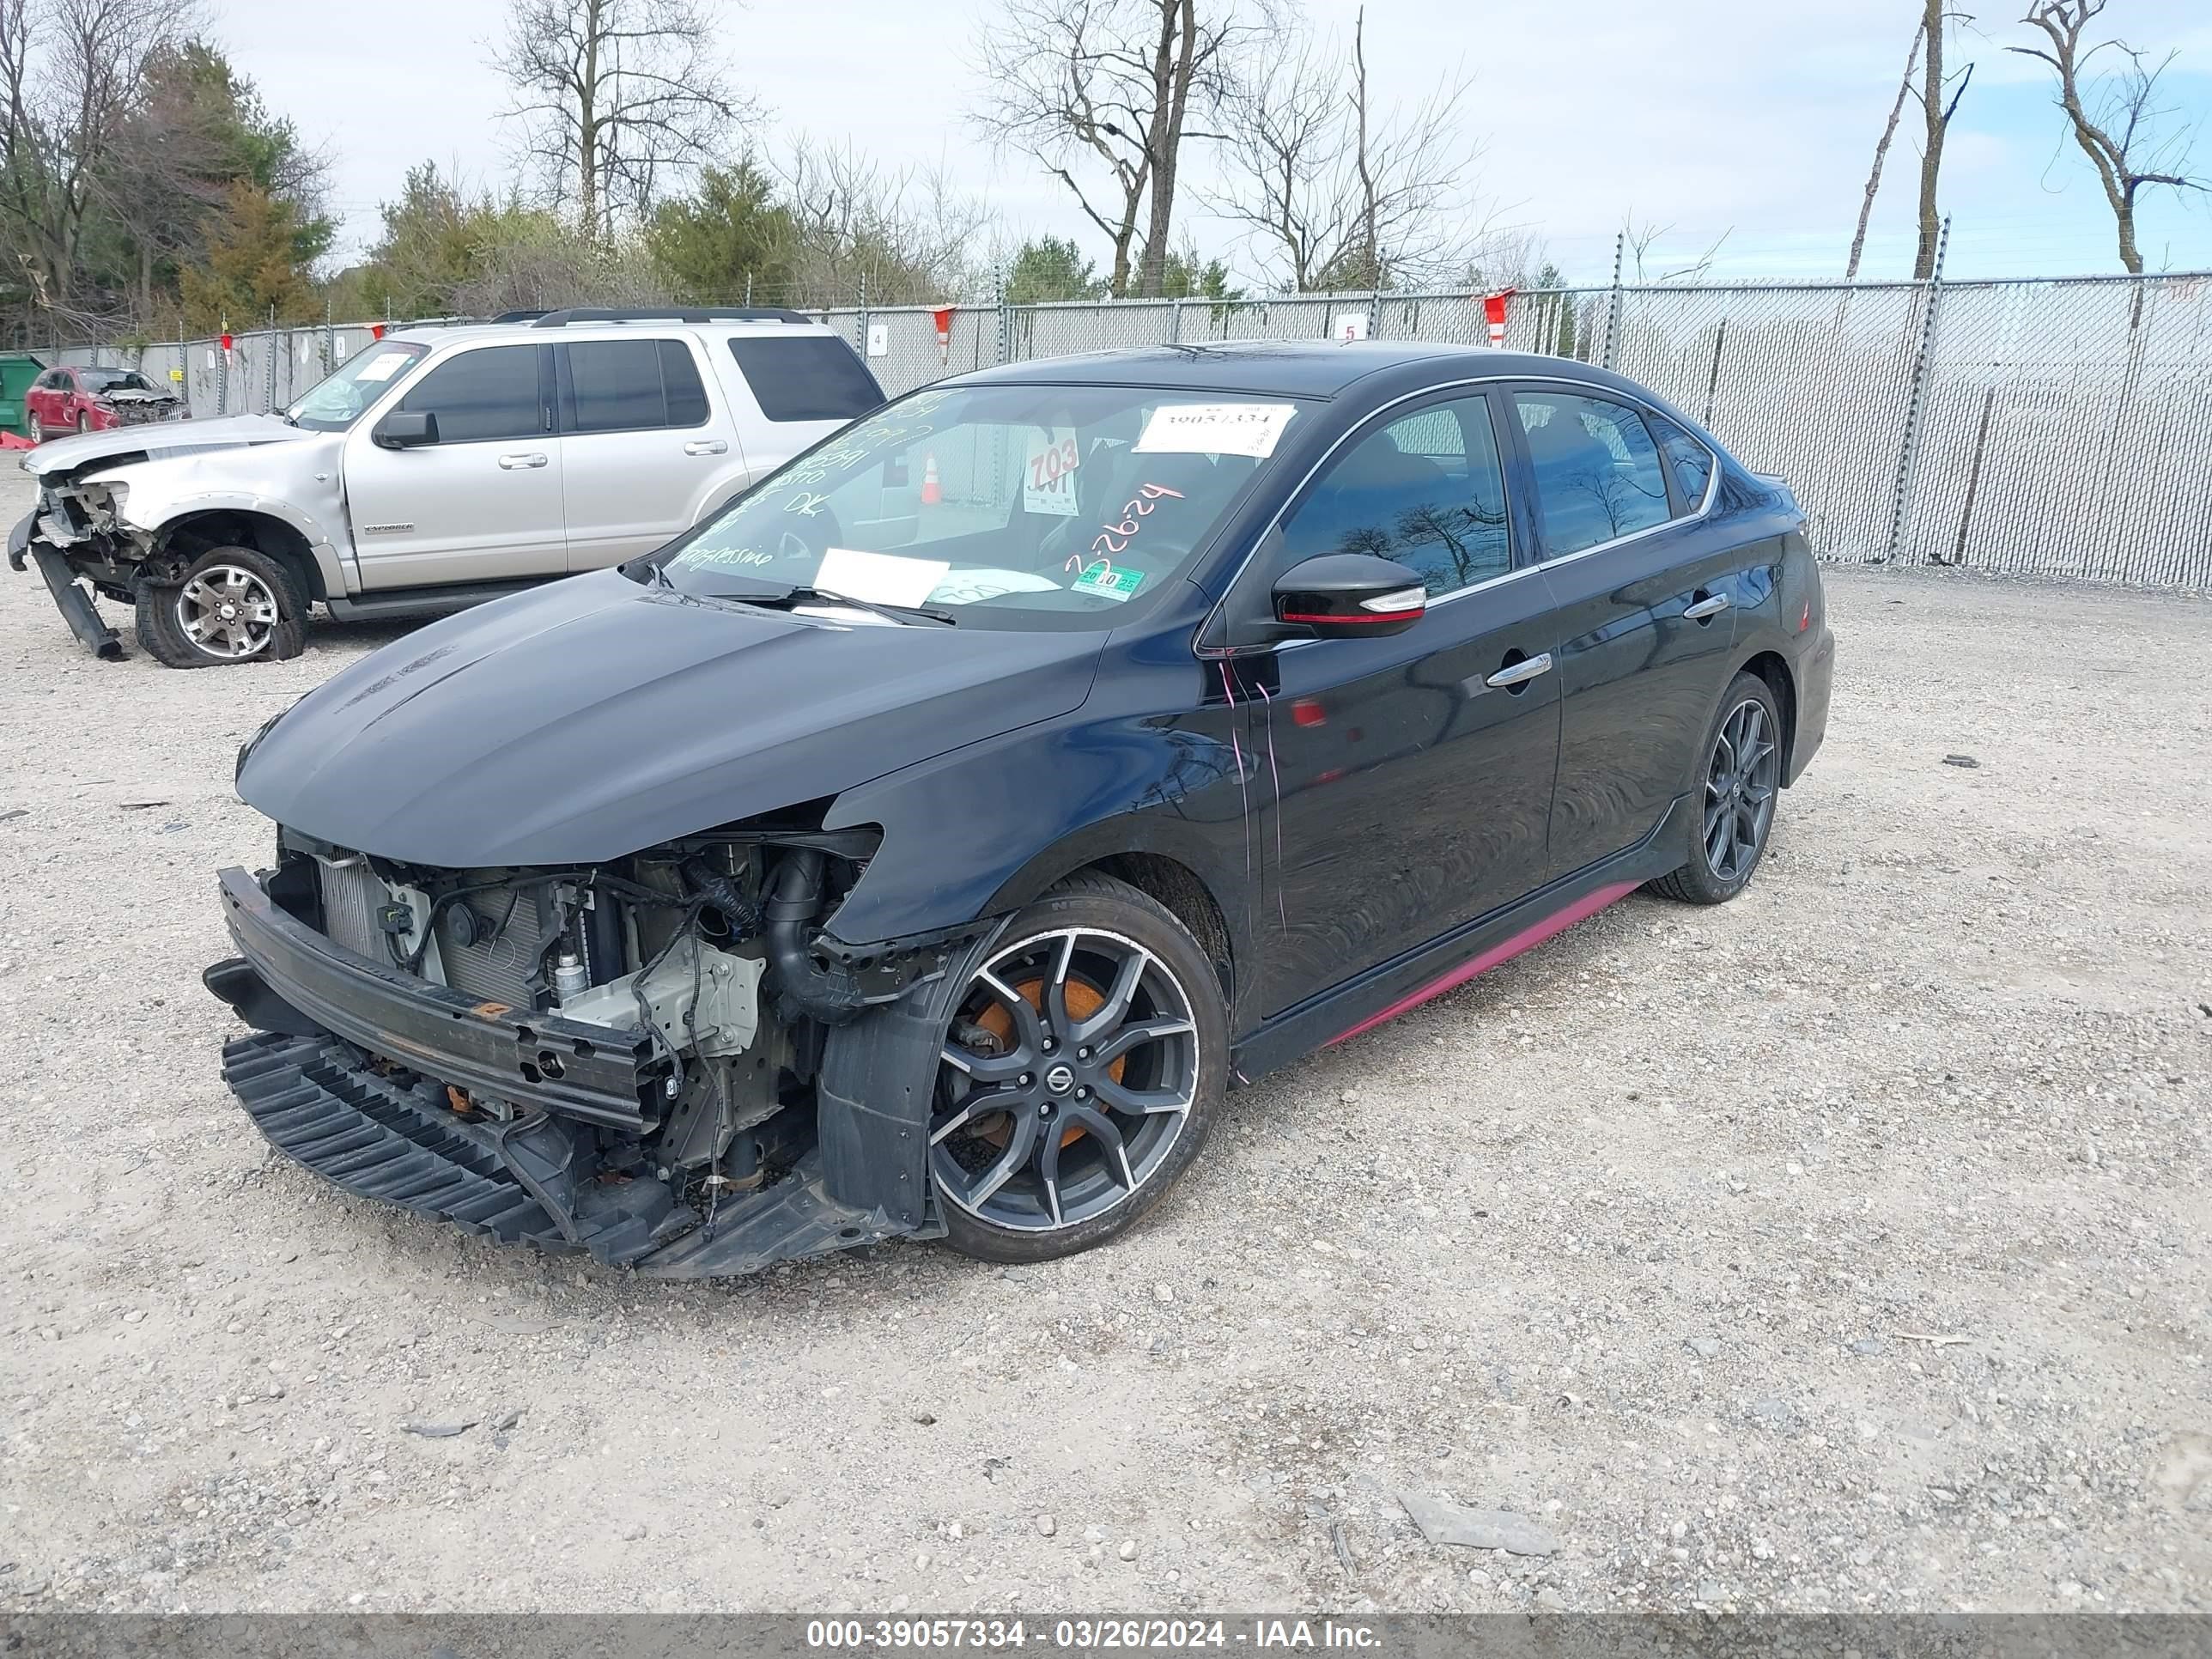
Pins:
x,y
562,318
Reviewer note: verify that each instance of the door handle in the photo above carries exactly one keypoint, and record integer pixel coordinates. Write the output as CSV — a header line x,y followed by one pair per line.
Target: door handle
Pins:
x,y
706,447
1520,673
532,458
1705,609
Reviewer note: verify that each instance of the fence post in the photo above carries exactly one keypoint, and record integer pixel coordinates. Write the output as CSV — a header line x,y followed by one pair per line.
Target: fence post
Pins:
x,y
1916,406
269,376
860,325
221,365
1005,317
330,337
1612,309
1175,327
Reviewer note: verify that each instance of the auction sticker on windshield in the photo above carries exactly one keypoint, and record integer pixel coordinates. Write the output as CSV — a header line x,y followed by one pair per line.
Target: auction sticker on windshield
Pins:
x,y
1049,475
882,577
385,365
1215,429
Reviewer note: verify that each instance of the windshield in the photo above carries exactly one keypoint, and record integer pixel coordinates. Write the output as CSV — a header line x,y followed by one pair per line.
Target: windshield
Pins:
x,y
1014,507
336,403
114,379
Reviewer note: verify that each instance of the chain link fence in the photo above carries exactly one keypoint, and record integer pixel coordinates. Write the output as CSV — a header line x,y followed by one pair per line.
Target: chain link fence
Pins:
x,y
2058,428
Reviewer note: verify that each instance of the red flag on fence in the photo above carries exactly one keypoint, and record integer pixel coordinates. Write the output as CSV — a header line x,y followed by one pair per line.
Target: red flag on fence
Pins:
x,y
1493,313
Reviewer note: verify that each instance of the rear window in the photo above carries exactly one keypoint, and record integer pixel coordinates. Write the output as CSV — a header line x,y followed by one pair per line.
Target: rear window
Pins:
x,y
806,377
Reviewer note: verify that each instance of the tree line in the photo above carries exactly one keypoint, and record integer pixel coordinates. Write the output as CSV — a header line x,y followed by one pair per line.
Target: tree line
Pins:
x,y
146,188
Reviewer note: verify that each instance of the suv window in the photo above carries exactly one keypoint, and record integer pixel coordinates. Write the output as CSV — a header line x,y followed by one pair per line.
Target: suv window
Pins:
x,y
1426,491
1690,461
805,377
490,393
630,385
1597,471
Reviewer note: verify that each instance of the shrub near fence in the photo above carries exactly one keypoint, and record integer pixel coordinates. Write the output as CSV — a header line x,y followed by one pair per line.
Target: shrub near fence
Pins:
x,y
2054,428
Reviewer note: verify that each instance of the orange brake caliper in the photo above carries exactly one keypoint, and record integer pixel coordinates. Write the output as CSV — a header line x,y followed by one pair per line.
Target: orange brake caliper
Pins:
x,y
1081,1003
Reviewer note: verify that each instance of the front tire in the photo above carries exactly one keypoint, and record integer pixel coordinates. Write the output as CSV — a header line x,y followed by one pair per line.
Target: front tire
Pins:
x,y
1081,1072
235,604
1731,814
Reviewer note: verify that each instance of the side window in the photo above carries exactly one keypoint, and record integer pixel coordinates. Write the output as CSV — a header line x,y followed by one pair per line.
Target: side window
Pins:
x,y
630,385
1691,462
1426,491
491,392
804,377
679,379
1597,469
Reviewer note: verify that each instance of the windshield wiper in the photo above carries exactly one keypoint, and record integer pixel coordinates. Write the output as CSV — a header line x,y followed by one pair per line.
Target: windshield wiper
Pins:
x,y
805,595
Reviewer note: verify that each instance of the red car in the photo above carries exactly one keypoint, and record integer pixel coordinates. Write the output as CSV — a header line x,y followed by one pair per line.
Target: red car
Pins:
x,y
65,400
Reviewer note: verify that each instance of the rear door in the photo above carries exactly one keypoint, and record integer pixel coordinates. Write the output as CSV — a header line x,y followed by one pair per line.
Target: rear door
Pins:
x,y
1644,580
1408,793
483,502
643,451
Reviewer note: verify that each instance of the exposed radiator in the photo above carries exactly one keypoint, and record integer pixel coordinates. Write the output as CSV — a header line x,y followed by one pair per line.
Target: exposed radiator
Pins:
x,y
501,970
352,895
504,969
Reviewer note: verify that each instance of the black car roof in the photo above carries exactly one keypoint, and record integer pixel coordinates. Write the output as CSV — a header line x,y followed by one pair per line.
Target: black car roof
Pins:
x,y
1290,369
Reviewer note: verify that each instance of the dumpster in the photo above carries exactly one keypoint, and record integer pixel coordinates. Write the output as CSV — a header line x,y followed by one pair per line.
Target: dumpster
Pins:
x,y
17,370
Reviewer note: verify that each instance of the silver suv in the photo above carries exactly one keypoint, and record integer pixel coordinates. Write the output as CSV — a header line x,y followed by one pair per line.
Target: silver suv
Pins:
x,y
436,468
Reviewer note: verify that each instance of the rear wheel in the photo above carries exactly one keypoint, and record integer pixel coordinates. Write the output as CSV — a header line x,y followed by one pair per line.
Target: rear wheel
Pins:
x,y
234,604
1731,813
1080,1075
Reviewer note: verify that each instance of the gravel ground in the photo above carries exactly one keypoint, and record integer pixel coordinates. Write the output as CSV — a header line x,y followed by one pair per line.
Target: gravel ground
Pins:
x,y
1841,1248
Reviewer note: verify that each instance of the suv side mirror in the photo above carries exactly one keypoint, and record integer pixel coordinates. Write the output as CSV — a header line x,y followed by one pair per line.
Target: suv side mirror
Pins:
x,y
1349,595
406,429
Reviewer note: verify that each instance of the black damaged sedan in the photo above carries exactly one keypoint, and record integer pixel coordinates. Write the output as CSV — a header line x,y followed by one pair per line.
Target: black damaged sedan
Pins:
x,y
925,844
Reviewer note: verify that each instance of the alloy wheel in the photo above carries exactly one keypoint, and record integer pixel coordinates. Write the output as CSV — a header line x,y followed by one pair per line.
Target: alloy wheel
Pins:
x,y
227,611
1740,785
1068,1076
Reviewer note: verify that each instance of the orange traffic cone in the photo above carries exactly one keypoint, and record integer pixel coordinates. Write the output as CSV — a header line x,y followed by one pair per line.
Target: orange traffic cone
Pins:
x,y
932,491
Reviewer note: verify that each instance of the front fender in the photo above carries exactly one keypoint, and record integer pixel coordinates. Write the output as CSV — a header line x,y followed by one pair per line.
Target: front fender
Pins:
x,y
277,481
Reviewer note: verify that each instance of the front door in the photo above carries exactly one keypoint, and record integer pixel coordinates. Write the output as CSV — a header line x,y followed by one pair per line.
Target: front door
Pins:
x,y
1406,782
483,502
1645,582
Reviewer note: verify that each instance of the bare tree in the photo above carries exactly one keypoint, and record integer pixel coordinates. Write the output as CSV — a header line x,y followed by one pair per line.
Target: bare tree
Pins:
x,y
1638,243
1936,111
1114,86
1882,151
1336,193
908,236
71,76
2124,135
612,96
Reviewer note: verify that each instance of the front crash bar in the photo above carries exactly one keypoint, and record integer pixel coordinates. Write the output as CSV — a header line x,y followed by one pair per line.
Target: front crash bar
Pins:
x,y
75,604
600,1073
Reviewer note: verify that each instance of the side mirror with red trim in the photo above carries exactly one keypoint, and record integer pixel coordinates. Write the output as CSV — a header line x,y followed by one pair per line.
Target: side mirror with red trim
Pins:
x,y
1350,596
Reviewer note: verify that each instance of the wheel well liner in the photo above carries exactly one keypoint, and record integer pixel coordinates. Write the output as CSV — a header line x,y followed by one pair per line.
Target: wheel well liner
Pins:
x,y
1180,888
1771,666
195,534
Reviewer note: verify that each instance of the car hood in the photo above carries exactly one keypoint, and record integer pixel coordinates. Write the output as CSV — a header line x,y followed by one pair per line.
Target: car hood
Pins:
x,y
594,718
159,442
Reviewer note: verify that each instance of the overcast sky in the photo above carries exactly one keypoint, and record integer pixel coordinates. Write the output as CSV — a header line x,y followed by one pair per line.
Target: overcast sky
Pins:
x,y
1746,117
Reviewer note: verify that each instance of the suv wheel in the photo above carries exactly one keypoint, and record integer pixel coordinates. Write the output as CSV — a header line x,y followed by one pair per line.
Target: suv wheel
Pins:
x,y
1081,1072
234,604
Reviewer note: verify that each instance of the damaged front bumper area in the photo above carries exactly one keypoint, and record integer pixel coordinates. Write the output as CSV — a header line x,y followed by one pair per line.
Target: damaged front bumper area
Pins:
x,y
571,1134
